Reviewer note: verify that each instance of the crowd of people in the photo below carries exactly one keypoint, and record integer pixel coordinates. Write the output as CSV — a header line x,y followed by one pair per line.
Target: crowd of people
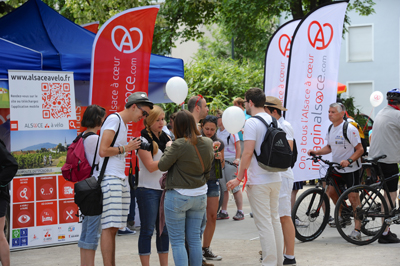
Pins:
x,y
181,169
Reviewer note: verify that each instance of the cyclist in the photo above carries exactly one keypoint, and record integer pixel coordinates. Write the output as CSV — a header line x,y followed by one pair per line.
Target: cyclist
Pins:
x,y
386,140
346,152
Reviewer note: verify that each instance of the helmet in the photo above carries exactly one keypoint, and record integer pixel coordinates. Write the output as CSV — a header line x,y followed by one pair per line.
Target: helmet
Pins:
x,y
393,96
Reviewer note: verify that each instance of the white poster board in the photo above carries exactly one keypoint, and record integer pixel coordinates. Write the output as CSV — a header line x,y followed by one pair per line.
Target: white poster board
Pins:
x,y
42,125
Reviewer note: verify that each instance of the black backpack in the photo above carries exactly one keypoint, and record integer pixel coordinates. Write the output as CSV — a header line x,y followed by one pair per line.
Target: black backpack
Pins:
x,y
294,155
275,155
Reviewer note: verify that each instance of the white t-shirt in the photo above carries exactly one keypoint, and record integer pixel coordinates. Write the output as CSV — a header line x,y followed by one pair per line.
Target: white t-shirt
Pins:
x,y
386,136
147,179
255,130
341,148
229,149
116,164
287,127
90,144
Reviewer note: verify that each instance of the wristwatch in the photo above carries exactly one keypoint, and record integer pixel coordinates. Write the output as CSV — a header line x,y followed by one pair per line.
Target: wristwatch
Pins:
x,y
350,161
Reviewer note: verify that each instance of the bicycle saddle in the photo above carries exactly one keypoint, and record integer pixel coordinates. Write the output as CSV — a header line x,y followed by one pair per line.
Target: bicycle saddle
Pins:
x,y
375,159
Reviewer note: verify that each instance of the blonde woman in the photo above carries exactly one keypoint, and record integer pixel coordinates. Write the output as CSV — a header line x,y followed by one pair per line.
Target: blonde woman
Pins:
x,y
149,192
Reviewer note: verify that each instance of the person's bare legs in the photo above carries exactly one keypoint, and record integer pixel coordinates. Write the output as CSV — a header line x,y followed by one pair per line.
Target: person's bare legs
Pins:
x,y
211,210
293,197
238,196
289,235
145,260
225,201
108,246
87,257
163,257
4,248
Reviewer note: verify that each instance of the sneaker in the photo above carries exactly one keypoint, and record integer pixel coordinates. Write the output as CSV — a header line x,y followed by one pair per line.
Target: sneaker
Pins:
x,y
238,216
209,255
291,262
388,239
331,219
131,225
300,224
222,216
355,235
126,231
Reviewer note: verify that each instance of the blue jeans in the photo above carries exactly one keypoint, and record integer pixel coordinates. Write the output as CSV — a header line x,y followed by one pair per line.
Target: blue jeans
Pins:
x,y
183,216
91,228
132,207
149,203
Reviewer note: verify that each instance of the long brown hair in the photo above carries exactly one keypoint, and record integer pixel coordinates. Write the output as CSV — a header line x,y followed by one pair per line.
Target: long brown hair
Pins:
x,y
185,127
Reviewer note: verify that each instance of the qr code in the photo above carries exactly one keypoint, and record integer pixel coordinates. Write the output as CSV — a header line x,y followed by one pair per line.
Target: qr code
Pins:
x,y
56,100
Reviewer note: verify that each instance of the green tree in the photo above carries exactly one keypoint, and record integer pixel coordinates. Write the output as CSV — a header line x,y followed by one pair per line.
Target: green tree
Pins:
x,y
250,23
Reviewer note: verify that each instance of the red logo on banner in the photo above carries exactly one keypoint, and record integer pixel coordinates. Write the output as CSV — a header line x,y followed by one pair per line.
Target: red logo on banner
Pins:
x,y
319,36
46,213
284,42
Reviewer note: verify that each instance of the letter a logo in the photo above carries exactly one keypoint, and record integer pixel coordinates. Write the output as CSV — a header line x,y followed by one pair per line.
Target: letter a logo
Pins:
x,y
318,34
126,40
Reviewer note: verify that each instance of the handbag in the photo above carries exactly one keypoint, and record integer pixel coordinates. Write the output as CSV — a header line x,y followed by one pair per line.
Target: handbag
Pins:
x,y
88,194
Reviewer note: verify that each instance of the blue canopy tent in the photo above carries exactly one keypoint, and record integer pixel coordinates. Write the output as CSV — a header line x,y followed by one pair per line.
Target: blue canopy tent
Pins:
x,y
14,56
66,46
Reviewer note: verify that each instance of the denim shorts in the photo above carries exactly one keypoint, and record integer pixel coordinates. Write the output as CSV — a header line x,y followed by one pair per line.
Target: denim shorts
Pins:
x,y
91,228
213,188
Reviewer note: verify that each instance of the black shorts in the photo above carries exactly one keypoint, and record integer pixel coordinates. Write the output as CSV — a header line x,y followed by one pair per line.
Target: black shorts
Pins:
x,y
388,170
4,200
298,185
3,207
346,180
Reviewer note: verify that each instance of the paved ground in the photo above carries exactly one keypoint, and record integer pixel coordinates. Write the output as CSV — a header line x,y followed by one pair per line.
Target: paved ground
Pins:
x,y
237,242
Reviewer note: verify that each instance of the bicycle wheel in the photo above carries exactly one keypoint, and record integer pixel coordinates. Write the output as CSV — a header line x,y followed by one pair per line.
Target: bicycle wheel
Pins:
x,y
310,214
371,213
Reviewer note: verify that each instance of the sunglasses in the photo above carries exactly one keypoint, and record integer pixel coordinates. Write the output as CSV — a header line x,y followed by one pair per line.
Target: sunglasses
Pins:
x,y
198,99
144,113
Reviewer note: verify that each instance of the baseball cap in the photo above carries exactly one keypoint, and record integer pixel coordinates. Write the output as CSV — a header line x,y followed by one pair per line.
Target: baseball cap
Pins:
x,y
274,102
139,97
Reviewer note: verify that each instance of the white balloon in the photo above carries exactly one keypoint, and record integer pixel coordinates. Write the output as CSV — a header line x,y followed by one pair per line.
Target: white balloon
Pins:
x,y
376,98
177,89
233,119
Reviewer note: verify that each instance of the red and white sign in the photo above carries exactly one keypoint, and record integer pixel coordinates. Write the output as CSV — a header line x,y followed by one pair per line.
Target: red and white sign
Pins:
x,y
68,209
121,57
65,188
23,189
276,60
46,188
23,215
312,81
46,213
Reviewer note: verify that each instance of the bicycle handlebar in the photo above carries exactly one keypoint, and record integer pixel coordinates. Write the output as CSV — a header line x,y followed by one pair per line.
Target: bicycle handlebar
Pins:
x,y
317,158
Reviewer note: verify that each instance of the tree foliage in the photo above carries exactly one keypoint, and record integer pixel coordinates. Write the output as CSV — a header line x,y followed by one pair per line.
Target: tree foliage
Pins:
x,y
250,23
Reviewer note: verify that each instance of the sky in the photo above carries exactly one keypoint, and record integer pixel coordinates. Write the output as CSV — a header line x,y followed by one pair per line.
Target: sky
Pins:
x,y
23,139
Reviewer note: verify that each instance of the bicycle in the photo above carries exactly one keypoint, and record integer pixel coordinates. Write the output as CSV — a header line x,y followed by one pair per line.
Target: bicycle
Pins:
x,y
373,211
312,208
221,192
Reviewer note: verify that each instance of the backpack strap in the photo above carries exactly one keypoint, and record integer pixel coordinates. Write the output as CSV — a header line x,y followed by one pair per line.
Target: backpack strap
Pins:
x,y
274,123
345,127
103,168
